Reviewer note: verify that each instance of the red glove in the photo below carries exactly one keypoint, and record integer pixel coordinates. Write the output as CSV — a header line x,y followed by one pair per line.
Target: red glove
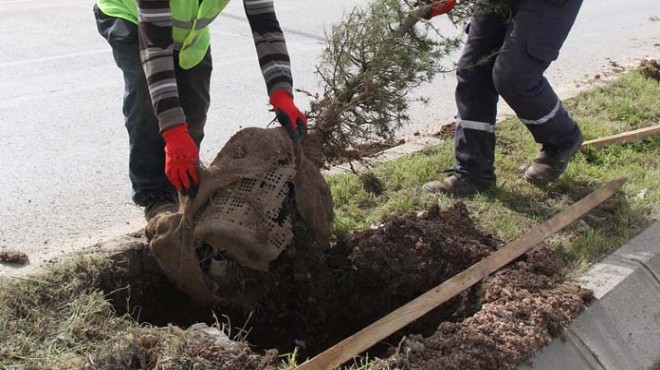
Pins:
x,y
181,158
288,114
442,7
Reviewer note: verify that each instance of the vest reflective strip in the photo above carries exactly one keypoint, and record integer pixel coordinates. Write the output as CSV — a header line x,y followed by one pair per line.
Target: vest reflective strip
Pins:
x,y
476,125
201,23
191,43
543,119
182,24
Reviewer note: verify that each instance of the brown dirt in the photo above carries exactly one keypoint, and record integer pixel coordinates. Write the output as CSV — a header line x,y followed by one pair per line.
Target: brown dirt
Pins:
x,y
361,151
524,306
312,299
371,273
170,348
650,69
14,257
446,131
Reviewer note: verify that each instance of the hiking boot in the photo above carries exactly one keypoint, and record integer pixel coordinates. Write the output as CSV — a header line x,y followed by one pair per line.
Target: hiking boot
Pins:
x,y
457,184
159,206
550,163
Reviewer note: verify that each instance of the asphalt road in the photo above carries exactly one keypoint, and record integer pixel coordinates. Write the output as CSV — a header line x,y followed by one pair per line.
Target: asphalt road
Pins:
x,y
63,147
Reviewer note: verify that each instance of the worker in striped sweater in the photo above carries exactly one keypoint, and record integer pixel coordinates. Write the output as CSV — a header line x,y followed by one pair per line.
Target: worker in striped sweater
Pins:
x,y
162,48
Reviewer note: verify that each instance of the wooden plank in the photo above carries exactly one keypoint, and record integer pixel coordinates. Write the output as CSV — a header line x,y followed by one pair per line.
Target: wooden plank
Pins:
x,y
624,137
388,325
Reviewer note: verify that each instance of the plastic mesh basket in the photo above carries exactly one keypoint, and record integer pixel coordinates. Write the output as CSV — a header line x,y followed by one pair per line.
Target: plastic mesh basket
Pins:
x,y
252,215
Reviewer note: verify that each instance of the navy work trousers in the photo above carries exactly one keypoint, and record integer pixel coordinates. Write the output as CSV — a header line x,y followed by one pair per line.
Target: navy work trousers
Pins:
x,y
506,55
147,154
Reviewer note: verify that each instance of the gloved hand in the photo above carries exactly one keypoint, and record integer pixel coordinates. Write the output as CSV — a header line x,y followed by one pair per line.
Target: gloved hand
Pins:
x,y
288,114
181,159
441,7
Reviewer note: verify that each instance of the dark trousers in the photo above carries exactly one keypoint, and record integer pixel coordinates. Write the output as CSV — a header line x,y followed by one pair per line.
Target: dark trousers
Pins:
x,y
147,155
506,55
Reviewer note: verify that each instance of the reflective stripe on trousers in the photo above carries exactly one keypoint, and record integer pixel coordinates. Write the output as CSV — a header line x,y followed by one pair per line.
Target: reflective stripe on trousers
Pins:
x,y
507,57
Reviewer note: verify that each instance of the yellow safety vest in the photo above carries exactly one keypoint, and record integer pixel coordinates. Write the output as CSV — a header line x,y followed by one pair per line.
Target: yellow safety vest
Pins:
x,y
190,18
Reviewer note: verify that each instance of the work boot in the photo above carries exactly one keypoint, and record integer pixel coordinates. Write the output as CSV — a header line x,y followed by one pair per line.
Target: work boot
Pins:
x,y
550,163
457,184
159,206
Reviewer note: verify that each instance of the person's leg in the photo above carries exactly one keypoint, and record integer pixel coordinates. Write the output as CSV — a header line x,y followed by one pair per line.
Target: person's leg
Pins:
x,y
476,100
539,30
147,155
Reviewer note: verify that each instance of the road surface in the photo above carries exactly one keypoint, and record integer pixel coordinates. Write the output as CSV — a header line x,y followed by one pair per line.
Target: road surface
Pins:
x,y
63,147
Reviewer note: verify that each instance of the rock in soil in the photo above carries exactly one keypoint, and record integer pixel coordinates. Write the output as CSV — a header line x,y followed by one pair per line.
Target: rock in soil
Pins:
x,y
14,257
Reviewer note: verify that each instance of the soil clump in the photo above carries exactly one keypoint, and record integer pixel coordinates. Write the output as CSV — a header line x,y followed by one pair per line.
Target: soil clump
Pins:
x,y
14,257
650,69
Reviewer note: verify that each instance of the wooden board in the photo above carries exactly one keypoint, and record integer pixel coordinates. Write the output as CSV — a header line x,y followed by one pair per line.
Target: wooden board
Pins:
x,y
624,137
388,325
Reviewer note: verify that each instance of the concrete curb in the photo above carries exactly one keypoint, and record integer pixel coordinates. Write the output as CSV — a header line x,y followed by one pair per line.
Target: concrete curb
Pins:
x,y
620,330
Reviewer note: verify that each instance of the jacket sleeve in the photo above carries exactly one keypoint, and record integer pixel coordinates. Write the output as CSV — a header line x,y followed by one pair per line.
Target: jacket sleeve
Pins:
x,y
157,55
271,45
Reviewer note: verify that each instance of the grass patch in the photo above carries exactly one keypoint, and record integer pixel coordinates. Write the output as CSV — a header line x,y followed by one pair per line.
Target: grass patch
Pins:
x,y
61,319
517,206
53,320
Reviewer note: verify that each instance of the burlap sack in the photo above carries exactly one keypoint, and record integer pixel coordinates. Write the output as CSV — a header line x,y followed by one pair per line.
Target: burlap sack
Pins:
x,y
243,210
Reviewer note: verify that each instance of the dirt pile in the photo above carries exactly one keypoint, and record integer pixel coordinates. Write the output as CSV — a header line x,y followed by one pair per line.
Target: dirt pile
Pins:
x,y
524,306
311,299
317,302
200,347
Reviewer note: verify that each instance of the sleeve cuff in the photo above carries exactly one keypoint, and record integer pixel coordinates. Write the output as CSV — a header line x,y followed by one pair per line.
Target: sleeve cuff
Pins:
x,y
171,118
282,86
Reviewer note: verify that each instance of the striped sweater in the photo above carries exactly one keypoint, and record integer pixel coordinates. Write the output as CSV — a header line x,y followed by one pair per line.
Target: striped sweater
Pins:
x,y
157,54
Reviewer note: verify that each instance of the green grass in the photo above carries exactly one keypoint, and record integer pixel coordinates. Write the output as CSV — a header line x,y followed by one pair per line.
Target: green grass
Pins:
x,y
53,320
517,206
60,319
